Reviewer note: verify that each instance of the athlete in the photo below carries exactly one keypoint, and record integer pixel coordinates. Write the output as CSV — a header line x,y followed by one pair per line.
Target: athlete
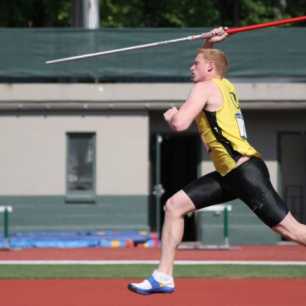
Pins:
x,y
240,171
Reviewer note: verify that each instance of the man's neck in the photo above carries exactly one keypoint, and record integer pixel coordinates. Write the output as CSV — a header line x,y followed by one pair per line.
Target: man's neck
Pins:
x,y
213,76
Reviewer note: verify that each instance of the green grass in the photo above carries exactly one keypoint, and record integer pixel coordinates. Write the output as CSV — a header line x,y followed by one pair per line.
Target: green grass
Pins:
x,y
141,271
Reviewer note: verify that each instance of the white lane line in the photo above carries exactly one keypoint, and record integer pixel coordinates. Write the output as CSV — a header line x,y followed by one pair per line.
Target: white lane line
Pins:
x,y
152,262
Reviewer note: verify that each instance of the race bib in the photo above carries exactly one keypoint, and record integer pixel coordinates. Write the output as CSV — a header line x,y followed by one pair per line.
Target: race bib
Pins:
x,y
241,125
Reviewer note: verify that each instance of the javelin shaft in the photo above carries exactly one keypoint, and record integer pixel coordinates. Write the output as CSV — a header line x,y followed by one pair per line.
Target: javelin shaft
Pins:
x,y
265,25
137,47
230,31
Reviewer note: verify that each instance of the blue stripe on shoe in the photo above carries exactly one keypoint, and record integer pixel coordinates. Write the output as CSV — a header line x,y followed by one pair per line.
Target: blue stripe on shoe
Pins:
x,y
154,283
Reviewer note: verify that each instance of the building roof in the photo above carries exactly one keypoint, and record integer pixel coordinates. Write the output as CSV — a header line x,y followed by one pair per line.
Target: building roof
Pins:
x,y
274,54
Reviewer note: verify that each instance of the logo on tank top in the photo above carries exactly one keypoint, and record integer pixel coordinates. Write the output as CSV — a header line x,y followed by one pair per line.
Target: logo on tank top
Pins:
x,y
234,100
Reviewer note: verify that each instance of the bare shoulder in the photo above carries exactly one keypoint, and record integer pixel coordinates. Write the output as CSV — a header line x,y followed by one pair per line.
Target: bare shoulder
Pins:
x,y
199,86
205,88
206,85
214,96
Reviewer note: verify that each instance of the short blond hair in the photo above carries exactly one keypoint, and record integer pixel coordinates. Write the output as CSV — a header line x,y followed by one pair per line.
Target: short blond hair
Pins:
x,y
218,58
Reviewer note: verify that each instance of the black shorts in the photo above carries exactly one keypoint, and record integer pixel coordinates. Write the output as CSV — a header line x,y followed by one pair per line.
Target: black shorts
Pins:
x,y
249,182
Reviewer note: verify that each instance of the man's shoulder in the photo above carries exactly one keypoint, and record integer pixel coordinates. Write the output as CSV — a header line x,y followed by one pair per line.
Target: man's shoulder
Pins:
x,y
204,85
202,89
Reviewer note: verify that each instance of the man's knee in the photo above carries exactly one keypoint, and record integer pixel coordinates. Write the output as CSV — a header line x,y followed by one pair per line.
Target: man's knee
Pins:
x,y
178,205
300,235
292,230
289,234
172,207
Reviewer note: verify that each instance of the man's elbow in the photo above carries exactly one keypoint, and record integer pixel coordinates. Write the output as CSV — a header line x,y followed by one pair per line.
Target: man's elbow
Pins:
x,y
180,125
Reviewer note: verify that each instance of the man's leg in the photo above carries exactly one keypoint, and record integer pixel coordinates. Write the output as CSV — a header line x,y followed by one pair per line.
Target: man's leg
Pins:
x,y
202,192
251,182
161,280
290,228
173,229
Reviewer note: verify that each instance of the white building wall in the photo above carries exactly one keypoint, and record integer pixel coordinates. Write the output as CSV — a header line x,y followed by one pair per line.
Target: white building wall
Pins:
x,y
124,145
33,153
122,136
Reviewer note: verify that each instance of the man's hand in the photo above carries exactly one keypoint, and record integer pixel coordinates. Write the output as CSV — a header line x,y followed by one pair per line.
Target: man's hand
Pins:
x,y
170,113
218,34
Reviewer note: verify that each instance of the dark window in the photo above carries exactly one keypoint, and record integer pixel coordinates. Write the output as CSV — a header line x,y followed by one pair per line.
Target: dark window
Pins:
x,y
81,164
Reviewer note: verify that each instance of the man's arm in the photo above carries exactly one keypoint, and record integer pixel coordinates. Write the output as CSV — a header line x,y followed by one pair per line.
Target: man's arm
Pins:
x,y
180,120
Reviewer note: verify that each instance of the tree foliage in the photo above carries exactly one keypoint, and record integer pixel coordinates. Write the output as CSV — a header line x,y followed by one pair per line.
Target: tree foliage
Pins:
x,y
149,13
35,13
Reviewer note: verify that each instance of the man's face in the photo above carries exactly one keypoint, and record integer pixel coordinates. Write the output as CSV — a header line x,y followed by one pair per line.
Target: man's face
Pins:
x,y
199,69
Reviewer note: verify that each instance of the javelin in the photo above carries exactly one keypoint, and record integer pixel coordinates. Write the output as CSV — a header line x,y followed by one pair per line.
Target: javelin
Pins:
x,y
206,35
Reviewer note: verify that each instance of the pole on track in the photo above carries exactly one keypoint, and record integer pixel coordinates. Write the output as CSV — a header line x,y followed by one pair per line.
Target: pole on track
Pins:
x,y
6,234
226,226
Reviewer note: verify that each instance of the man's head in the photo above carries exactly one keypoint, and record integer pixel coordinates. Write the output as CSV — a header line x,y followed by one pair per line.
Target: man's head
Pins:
x,y
209,64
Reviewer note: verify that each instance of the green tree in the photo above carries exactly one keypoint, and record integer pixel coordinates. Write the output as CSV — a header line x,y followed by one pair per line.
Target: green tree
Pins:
x,y
297,7
35,13
243,12
150,13
163,13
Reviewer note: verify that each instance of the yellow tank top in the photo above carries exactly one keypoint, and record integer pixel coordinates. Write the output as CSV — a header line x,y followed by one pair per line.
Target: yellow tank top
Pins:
x,y
223,132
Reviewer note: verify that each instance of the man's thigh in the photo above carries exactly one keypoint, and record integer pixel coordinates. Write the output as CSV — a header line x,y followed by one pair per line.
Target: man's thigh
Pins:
x,y
251,183
208,190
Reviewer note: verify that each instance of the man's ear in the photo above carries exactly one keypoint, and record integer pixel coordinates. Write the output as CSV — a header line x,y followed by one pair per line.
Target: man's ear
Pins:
x,y
210,66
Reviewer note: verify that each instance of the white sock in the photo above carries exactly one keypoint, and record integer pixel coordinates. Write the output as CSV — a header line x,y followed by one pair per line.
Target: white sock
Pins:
x,y
163,278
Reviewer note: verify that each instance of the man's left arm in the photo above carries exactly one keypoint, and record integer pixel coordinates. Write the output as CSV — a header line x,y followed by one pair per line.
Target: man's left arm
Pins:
x,y
180,120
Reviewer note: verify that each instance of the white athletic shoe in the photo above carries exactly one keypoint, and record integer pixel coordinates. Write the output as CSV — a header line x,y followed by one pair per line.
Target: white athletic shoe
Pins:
x,y
157,283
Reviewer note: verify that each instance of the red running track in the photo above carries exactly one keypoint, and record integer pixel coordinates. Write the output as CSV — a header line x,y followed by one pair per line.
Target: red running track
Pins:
x,y
276,253
193,292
